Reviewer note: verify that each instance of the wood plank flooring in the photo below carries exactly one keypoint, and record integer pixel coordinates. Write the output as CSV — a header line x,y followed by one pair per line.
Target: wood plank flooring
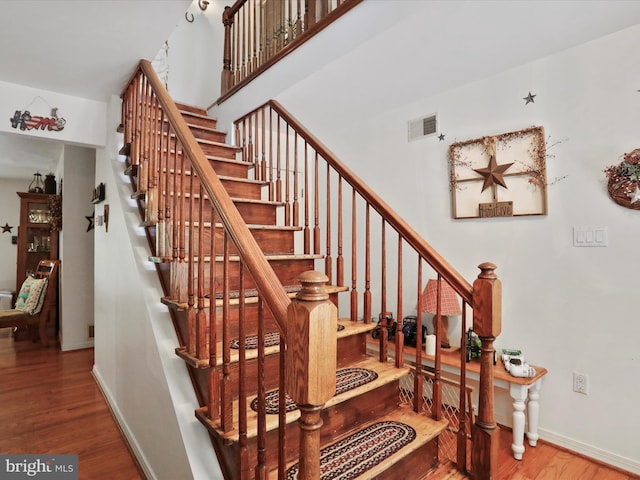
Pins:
x,y
50,403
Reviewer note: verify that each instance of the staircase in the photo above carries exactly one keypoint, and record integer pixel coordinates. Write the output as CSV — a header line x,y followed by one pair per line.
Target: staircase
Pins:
x,y
235,265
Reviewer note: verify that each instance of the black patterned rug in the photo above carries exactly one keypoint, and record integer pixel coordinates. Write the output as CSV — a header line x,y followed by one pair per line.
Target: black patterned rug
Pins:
x,y
346,379
351,457
270,339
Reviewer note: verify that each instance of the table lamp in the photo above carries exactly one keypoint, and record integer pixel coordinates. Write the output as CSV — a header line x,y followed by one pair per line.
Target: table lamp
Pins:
x,y
449,305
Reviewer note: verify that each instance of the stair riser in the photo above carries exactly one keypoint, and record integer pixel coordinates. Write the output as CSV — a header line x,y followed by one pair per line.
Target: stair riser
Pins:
x,y
236,188
208,122
219,150
202,133
270,241
252,213
185,109
228,169
414,465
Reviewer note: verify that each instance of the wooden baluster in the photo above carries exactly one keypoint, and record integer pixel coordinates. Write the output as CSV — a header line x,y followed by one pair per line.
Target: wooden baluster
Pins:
x,y
399,340
287,173
272,191
227,76
261,467
182,226
135,126
201,318
226,416
383,295
214,379
152,189
311,364
487,324
418,379
243,452
354,263
310,14
367,267
316,209
437,374
255,63
170,197
191,228
278,164
306,230
296,206
461,457
340,258
263,164
282,415
327,258
162,191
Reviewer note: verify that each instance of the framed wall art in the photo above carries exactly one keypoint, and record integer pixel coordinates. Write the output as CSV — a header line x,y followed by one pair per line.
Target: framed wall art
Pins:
x,y
499,176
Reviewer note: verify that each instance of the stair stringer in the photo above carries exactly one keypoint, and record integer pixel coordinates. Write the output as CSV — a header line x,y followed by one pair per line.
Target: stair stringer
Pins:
x,y
146,386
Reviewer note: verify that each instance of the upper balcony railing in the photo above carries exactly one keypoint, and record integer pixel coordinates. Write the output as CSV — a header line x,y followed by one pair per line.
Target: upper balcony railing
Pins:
x,y
258,33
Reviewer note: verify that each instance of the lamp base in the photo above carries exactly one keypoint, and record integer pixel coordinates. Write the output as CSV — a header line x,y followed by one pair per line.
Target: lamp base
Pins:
x,y
444,333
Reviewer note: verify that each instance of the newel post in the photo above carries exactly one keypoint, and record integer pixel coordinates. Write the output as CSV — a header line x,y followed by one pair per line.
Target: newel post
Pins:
x,y
227,77
310,364
487,324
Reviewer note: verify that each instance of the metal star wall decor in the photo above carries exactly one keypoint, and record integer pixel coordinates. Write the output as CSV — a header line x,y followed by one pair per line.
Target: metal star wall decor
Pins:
x,y
90,220
6,228
493,173
441,137
529,99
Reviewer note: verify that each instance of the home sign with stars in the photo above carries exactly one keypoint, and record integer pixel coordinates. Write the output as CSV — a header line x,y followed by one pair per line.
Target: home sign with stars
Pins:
x,y
499,176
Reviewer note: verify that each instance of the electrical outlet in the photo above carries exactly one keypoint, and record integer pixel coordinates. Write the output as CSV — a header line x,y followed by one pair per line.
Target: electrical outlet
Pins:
x,y
580,383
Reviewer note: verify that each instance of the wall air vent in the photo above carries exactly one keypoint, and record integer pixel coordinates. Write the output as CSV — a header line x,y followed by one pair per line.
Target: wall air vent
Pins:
x,y
423,127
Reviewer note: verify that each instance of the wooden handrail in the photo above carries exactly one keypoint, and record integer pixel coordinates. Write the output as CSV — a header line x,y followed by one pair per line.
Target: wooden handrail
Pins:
x,y
439,264
267,283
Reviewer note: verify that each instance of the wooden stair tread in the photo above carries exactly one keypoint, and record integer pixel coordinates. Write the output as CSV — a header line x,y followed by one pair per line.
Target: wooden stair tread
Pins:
x,y
349,328
203,127
331,289
426,430
387,373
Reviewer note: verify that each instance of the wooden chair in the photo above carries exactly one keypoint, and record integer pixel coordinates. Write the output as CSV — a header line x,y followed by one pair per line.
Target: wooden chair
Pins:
x,y
18,318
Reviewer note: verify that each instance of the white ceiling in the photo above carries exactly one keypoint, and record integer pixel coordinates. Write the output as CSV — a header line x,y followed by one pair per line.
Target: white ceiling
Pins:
x,y
84,48
89,48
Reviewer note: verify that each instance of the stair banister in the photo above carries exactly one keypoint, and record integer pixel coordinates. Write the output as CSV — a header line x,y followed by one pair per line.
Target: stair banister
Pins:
x,y
426,251
266,281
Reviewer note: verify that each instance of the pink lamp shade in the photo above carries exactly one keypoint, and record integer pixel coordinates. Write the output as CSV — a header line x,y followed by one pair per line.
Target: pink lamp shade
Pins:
x,y
449,303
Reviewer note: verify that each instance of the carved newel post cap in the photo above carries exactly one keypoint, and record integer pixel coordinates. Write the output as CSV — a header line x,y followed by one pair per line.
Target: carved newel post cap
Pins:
x,y
487,270
313,286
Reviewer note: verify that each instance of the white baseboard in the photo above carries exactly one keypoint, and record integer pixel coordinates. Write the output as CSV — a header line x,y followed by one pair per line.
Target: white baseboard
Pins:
x,y
609,458
76,346
124,428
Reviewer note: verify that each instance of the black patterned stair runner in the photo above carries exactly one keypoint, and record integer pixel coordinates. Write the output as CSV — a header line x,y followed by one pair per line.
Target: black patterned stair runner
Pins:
x,y
346,379
270,339
354,455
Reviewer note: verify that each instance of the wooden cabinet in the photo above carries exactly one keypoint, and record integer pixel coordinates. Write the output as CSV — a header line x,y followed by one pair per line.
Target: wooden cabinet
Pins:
x,y
36,239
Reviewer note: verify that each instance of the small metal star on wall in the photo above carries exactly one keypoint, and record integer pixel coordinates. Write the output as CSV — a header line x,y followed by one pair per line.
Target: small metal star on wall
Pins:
x,y
90,220
441,137
6,228
529,99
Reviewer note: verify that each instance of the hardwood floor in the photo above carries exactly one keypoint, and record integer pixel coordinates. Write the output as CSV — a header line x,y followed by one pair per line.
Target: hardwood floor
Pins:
x,y
50,403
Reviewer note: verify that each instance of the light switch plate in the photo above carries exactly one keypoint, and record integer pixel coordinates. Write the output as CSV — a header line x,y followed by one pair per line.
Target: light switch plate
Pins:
x,y
590,237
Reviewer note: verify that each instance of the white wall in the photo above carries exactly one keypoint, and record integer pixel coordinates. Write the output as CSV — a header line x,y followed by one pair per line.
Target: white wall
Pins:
x,y
76,247
85,118
570,309
10,214
191,66
146,384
